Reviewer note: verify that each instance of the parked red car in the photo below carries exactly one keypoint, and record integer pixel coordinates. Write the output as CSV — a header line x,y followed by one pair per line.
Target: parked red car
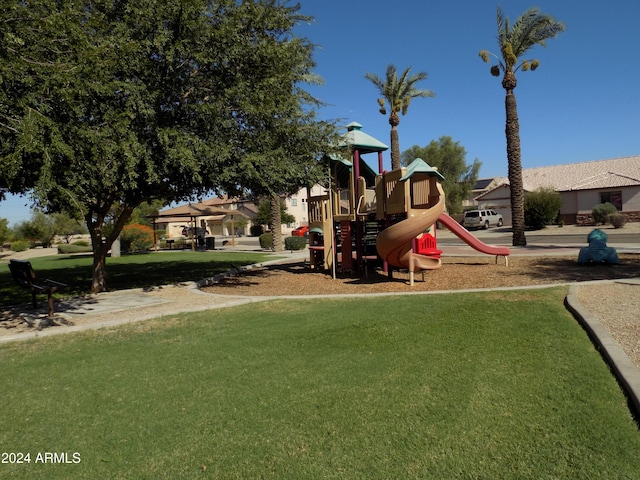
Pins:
x,y
300,231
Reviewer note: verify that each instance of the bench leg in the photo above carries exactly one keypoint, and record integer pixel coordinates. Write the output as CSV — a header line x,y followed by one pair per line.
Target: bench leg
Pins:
x,y
50,300
34,301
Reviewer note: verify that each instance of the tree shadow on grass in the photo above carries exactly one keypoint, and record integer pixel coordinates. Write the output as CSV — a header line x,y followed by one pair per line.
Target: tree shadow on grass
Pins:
x,y
76,273
255,276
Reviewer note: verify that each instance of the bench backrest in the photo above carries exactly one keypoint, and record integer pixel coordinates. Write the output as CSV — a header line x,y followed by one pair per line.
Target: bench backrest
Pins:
x,y
22,272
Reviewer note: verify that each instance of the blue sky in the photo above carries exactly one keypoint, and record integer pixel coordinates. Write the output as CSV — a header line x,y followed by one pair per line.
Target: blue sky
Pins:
x,y
581,104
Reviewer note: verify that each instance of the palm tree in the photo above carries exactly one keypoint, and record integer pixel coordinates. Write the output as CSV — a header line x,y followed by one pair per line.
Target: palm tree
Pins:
x,y
531,28
398,92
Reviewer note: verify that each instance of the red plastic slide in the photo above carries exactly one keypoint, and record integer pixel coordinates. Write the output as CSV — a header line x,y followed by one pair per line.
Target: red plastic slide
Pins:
x,y
471,240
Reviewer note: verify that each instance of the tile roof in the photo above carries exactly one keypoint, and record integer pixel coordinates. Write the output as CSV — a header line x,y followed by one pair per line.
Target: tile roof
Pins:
x,y
598,174
616,172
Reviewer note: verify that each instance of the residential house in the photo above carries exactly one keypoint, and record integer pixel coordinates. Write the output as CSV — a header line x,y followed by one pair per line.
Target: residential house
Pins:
x,y
242,206
297,206
581,186
217,216
207,220
482,186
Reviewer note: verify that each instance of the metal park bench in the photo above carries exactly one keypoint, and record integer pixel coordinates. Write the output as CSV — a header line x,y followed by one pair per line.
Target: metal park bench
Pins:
x,y
25,276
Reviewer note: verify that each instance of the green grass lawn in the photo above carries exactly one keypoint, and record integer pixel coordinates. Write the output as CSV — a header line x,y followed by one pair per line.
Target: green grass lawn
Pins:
x,y
129,271
494,385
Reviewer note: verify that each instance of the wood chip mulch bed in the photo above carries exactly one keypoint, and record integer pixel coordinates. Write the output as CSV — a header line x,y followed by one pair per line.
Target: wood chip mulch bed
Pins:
x,y
456,273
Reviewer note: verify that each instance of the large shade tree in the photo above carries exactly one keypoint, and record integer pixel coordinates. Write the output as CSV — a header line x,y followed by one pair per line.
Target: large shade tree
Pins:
x,y
515,40
106,104
449,157
282,157
281,142
396,93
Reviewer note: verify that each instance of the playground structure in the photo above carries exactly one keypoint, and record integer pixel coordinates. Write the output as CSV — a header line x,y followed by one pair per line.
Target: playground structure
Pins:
x,y
387,218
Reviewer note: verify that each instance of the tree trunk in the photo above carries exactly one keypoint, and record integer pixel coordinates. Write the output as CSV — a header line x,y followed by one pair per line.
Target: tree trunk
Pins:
x,y
394,121
99,270
512,131
276,223
95,224
100,250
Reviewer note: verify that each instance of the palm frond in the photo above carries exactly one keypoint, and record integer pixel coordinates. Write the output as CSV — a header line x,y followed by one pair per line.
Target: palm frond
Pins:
x,y
396,89
534,28
405,74
531,28
503,27
375,79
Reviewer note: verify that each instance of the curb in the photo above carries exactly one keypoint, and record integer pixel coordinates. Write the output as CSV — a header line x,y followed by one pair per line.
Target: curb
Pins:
x,y
622,367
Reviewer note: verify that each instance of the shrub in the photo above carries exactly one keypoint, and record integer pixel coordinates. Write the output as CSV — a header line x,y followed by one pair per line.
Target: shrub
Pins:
x,y
541,207
20,245
601,211
256,230
295,243
81,243
266,241
618,220
39,229
172,243
77,247
136,238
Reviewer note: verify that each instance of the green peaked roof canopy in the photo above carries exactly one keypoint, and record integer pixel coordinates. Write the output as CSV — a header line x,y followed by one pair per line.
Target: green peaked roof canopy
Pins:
x,y
344,170
420,166
361,141
355,139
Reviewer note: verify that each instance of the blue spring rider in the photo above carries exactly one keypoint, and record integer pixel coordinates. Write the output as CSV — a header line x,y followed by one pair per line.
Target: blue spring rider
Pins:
x,y
597,251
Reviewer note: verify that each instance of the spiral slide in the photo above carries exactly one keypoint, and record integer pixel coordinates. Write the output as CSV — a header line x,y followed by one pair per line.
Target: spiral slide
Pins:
x,y
471,240
394,244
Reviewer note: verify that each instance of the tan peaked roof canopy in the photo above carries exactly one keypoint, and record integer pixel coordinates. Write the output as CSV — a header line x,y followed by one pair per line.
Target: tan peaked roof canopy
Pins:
x,y
192,210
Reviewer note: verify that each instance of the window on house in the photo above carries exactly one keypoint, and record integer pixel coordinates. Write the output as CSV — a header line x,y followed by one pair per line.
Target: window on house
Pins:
x,y
614,198
294,202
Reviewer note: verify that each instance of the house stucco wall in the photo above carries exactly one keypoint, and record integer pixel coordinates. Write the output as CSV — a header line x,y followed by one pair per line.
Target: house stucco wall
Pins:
x,y
298,207
631,199
590,198
569,204
587,199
